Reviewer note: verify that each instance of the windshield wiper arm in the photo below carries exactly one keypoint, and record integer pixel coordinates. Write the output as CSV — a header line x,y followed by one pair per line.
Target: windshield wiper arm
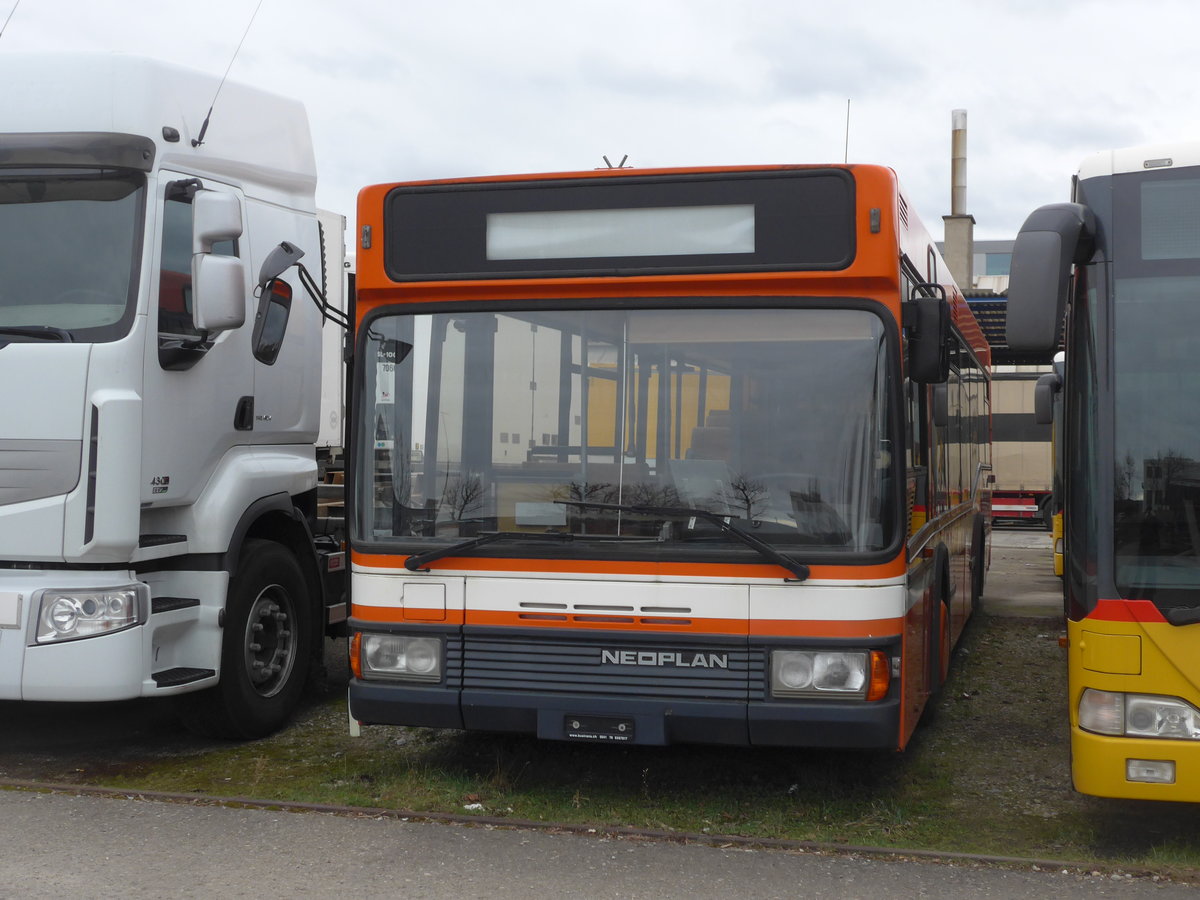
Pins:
x,y
44,332
1183,615
417,563
724,523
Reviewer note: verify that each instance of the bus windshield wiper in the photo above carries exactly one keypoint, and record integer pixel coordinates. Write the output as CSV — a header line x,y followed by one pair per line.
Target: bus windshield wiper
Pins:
x,y
41,332
724,523
417,563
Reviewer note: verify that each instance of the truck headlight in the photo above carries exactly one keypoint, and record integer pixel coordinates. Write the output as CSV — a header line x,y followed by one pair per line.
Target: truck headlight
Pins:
x,y
816,673
1138,715
70,615
401,657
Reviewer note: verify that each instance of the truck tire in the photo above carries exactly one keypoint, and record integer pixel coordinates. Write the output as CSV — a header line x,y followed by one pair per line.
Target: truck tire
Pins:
x,y
264,649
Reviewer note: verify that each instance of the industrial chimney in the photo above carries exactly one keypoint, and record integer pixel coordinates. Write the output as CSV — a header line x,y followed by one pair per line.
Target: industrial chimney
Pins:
x,y
959,225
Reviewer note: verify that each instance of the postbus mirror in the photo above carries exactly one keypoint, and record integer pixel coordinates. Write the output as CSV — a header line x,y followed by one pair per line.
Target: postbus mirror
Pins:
x,y
1043,397
928,323
1052,239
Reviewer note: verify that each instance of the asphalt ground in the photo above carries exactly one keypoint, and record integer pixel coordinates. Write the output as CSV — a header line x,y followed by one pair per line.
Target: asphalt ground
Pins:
x,y
1021,580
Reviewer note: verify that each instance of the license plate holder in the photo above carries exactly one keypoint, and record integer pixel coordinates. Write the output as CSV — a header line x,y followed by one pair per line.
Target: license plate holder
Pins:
x,y
611,729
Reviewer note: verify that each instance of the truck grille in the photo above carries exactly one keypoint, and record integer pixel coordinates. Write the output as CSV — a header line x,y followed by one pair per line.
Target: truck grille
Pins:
x,y
31,470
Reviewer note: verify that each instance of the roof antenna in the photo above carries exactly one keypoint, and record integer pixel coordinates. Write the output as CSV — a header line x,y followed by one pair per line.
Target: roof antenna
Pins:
x,y
620,165
9,19
199,139
846,158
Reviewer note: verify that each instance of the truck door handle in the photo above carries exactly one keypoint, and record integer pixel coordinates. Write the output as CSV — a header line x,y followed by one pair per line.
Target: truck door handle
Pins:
x,y
243,419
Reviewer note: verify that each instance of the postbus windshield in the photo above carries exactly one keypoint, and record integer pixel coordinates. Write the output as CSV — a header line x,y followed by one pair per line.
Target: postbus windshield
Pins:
x,y
519,421
1157,371
69,247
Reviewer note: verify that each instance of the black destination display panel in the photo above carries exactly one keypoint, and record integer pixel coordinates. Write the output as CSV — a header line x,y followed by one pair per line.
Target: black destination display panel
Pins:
x,y
635,225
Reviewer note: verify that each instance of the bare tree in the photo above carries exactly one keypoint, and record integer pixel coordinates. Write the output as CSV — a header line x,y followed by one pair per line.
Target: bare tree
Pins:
x,y
745,493
463,494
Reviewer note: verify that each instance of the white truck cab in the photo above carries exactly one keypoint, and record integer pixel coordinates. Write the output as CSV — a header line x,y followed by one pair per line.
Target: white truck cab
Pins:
x,y
160,407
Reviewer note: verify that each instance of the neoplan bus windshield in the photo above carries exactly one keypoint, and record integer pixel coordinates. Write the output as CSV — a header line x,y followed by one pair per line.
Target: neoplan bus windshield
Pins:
x,y
609,425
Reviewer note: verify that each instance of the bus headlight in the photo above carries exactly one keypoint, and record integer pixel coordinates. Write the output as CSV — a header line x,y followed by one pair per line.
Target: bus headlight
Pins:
x,y
70,615
401,657
815,673
1138,715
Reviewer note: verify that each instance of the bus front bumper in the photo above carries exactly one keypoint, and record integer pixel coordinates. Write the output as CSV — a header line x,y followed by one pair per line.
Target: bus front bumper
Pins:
x,y
650,721
1135,768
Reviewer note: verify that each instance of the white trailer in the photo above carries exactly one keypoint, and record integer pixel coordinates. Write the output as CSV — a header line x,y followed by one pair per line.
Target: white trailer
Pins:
x,y
161,409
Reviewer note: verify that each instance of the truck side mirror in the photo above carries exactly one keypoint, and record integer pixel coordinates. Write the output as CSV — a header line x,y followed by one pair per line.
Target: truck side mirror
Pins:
x,y
1052,239
278,261
928,322
270,322
218,282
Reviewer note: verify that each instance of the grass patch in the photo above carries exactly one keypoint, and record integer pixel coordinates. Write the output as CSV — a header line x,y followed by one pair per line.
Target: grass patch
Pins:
x,y
987,773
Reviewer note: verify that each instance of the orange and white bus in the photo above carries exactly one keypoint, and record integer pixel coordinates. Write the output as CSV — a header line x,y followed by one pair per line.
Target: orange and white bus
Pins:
x,y
657,456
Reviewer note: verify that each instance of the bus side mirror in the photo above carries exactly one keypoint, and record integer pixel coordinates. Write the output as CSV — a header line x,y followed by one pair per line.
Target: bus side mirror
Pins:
x,y
1043,397
1052,239
218,282
928,322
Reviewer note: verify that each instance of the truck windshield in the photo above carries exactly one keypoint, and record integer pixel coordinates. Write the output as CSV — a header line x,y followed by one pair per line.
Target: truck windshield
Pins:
x,y
606,423
69,248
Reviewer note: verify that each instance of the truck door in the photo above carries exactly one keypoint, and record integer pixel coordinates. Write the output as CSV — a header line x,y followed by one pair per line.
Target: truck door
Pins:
x,y
285,333
196,384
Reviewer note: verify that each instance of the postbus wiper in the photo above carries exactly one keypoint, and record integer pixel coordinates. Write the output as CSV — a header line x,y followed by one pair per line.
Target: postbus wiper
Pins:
x,y
42,332
724,523
417,563
1183,615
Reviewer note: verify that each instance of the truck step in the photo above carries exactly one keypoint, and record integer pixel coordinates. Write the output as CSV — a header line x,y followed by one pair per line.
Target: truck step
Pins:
x,y
158,540
181,675
168,604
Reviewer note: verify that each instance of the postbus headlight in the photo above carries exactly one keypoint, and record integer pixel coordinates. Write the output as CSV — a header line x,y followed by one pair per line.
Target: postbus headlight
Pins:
x,y
815,673
70,615
1138,715
401,657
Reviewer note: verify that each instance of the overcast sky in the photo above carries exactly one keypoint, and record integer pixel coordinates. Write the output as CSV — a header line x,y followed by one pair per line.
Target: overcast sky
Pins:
x,y
399,90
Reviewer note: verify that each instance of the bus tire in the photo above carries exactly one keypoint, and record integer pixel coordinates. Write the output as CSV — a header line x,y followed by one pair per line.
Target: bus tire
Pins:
x,y
264,649
978,562
939,626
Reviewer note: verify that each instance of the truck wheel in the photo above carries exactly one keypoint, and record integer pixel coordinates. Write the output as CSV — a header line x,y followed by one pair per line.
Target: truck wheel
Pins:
x,y
264,655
